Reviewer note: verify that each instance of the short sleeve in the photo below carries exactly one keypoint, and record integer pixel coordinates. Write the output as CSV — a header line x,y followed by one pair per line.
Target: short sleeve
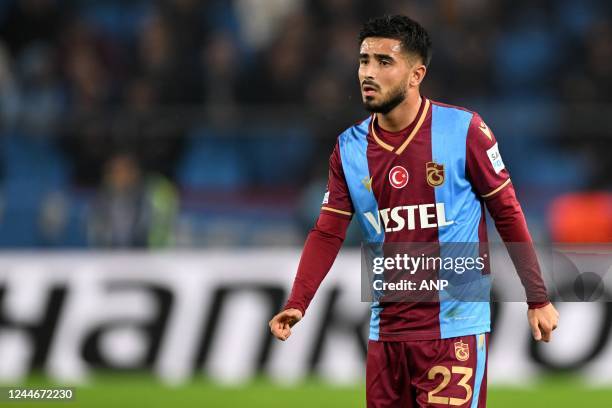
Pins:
x,y
337,199
484,165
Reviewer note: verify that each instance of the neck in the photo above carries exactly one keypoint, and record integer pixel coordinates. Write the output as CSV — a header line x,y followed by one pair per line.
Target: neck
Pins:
x,y
402,115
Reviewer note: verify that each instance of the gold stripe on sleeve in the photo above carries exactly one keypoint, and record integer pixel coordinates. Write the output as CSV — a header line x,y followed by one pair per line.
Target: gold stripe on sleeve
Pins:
x,y
497,189
337,211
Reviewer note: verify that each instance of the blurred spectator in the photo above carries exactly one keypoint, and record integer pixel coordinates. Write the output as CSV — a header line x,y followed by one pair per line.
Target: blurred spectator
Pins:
x,y
53,217
42,98
186,21
160,59
31,21
262,22
280,73
9,92
163,132
132,209
599,59
220,70
90,82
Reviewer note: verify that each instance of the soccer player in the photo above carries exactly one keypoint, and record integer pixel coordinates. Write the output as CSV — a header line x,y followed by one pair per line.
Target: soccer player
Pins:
x,y
417,170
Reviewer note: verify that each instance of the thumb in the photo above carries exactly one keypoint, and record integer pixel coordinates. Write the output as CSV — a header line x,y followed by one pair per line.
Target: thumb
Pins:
x,y
292,316
535,330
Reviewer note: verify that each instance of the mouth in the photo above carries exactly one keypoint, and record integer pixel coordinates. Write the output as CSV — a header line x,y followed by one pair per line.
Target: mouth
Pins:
x,y
369,90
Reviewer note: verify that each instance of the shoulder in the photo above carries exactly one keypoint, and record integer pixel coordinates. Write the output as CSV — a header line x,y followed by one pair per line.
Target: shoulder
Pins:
x,y
455,112
452,116
476,123
445,106
358,130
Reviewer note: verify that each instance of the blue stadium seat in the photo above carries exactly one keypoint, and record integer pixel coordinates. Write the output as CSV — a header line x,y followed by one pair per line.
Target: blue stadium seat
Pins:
x,y
525,55
279,156
32,168
212,161
117,18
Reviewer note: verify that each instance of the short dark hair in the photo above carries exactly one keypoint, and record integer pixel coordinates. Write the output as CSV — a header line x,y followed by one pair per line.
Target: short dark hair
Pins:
x,y
413,37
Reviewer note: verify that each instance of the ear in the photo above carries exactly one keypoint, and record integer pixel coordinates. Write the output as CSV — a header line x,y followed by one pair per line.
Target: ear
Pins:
x,y
417,75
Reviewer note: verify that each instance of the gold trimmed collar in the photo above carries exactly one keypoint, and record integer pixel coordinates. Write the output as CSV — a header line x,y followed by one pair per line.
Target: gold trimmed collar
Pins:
x,y
411,136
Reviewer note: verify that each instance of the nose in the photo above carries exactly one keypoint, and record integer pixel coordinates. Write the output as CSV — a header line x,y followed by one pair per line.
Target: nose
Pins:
x,y
367,72
365,78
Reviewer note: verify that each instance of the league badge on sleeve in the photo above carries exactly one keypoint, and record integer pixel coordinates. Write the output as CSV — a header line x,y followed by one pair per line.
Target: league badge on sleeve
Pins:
x,y
326,198
495,158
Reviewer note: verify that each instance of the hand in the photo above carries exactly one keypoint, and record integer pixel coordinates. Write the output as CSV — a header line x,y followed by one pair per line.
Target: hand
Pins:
x,y
543,321
281,324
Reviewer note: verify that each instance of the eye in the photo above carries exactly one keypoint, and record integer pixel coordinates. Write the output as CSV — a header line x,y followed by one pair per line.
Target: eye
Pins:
x,y
385,62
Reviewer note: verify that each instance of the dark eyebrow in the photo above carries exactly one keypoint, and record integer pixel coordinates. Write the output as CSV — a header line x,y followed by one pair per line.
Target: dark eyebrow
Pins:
x,y
383,56
377,56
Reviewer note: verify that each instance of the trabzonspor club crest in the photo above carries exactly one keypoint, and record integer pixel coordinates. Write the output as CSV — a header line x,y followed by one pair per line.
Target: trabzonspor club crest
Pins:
x,y
434,173
462,351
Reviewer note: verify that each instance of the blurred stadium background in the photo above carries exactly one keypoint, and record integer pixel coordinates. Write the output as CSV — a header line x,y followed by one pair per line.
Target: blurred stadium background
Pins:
x,y
162,161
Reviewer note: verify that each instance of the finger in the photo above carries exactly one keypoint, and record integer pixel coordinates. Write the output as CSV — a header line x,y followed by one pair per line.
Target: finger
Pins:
x,y
278,326
286,319
546,332
286,334
535,331
275,320
556,322
277,331
276,323
277,334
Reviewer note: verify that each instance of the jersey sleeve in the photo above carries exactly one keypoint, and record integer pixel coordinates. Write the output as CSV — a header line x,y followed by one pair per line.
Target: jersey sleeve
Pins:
x,y
484,164
491,180
320,250
337,199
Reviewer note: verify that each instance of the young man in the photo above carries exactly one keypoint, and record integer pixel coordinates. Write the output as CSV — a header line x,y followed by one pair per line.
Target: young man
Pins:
x,y
427,170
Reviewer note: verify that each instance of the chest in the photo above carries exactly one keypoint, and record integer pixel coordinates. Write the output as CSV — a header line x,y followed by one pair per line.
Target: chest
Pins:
x,y
414,175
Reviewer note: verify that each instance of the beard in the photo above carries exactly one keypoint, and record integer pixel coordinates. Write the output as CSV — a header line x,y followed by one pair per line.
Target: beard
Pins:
x,y
395,96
